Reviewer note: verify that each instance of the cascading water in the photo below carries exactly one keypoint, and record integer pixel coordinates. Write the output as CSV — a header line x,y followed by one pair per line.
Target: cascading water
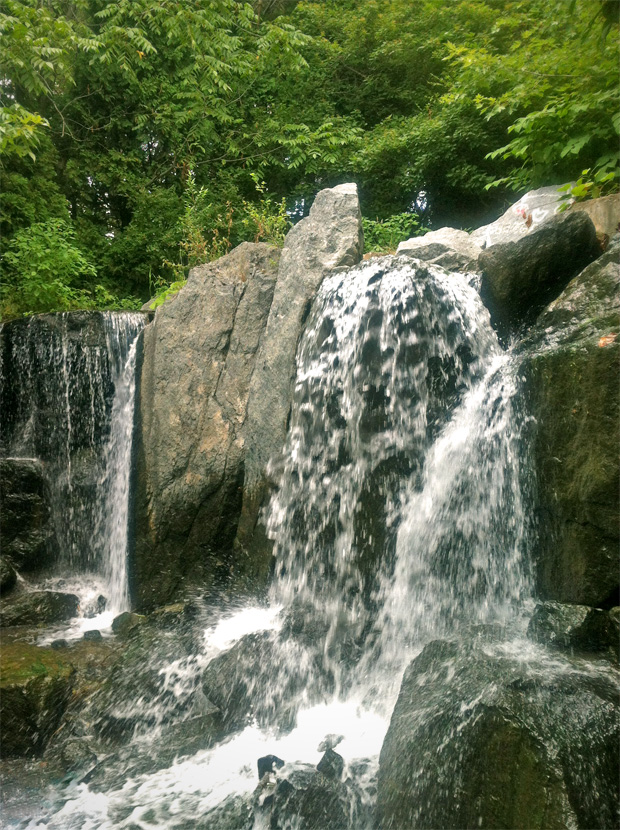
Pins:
x,y
68,401
399,517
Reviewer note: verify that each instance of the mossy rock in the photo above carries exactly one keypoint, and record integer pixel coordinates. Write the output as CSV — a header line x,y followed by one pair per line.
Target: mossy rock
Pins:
x,y
35,685
480,738
571,372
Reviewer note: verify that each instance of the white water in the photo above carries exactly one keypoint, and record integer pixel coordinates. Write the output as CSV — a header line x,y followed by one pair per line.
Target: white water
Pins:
x,y
398,518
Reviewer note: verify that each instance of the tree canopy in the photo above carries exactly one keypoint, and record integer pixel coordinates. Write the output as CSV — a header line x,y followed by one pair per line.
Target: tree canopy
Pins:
x,y
140,136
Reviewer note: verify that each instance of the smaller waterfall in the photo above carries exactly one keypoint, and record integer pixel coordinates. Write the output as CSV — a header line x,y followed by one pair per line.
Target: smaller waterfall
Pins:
x,y
68,383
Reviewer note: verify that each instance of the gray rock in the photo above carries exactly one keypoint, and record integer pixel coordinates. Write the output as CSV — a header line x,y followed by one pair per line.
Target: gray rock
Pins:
x,y
525,216
199,356
604,213
480,737
307,800
34,689
571,370
553,623
93,636
38,608
126,622
330,237
520,278
331,765
451,248
28,535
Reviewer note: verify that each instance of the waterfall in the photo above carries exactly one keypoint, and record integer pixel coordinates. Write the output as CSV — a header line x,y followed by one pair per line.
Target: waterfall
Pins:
x,y
68,389
399,516
399,513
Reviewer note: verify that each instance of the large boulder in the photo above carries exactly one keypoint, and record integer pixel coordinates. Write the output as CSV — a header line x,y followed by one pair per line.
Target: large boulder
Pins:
x,y
199,355
28,534
571,369
481,738
38,608
519,278
330,237
35,684
214,397
522,218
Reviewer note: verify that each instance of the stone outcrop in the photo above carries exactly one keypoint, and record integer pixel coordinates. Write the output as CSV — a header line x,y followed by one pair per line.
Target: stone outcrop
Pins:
x,y
34,688
199,356
330,237
520,278
571,371
38,608
469,744
216,384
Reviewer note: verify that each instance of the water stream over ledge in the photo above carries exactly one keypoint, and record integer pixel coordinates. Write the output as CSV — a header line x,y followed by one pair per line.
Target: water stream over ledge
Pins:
x,y
400,518
70,395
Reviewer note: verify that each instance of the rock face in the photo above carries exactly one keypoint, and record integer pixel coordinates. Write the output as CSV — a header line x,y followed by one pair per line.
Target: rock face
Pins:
x,y
519,278
330,237
28,534
199,356
214,398
571,371
34,687
468,744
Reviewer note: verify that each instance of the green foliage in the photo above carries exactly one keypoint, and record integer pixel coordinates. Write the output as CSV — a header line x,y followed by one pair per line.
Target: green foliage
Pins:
x,y
384,235
164,132
41,270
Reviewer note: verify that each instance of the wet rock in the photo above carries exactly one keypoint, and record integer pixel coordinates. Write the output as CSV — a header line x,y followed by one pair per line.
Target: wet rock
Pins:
x,y
58,645
268,764
135,695
330,237
38,608
236,679
576,627
28,535
331,765
554,623
126,622
571,368
234,813
35,685
198,358
470,737
96,607
600,631
520,278
93,636
8,576
305,799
